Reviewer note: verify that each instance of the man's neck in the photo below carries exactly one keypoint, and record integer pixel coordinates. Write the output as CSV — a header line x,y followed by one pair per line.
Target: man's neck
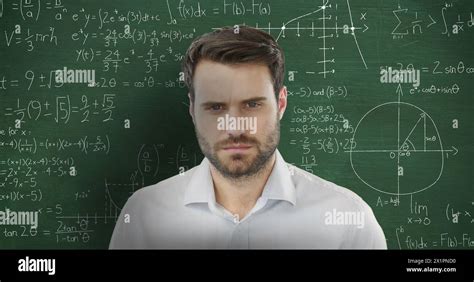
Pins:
x,y
239,197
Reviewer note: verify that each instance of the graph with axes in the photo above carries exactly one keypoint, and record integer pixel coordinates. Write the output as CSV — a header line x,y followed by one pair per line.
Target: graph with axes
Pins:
x,y
329,21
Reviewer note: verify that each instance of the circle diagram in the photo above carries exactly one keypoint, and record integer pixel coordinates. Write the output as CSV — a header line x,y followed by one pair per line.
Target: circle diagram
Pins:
x,y
397,149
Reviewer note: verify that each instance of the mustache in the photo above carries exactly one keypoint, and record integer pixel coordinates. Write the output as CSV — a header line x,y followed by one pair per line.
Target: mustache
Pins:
x,y
242,139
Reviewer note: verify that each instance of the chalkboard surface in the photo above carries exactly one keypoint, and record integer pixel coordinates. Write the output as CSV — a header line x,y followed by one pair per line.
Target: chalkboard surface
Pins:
x,y
72,153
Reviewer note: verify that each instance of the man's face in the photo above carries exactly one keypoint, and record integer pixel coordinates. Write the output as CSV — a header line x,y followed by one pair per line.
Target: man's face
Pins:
x,y
242,93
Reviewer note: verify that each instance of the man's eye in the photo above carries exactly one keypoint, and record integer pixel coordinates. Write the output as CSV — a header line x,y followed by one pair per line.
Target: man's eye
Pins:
x,y
253,104
216,107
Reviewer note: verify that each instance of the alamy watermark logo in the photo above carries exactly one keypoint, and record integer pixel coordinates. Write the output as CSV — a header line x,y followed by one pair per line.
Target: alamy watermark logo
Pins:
x,y
75,76
9,217
37,265
390,75
237,123
345,218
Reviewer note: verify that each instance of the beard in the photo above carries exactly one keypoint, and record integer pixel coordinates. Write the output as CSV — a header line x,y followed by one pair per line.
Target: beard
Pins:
x,y
238,167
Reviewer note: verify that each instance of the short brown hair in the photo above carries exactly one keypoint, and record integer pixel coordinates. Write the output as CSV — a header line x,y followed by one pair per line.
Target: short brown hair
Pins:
x,y
226,45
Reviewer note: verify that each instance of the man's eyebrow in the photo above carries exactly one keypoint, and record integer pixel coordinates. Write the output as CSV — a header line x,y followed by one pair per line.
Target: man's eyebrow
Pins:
x,y
254,99
211,103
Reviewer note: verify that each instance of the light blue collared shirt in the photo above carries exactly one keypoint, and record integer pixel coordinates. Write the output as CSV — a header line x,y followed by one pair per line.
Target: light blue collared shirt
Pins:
x,y
296,210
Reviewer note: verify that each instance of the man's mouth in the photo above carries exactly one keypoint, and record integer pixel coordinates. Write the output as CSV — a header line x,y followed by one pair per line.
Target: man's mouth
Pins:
x,y
237,147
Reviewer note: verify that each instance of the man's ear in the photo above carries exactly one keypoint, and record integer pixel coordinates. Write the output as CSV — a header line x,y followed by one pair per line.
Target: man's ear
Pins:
x,y
282,101
191,107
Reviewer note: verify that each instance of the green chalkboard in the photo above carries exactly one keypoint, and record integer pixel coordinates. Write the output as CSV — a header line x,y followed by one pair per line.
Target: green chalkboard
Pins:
x,y
72,153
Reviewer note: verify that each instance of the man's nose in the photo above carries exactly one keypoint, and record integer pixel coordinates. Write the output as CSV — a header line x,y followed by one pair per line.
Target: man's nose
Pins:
x,y
234,128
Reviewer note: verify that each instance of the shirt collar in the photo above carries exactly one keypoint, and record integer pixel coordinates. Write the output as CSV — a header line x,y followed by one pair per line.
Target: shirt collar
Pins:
x,y
279,186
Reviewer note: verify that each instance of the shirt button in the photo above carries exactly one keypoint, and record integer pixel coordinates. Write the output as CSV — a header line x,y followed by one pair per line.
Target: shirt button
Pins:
x,y
236,218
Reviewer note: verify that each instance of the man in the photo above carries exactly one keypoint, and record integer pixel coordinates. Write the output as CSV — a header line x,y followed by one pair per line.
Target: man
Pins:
x,y
243,194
